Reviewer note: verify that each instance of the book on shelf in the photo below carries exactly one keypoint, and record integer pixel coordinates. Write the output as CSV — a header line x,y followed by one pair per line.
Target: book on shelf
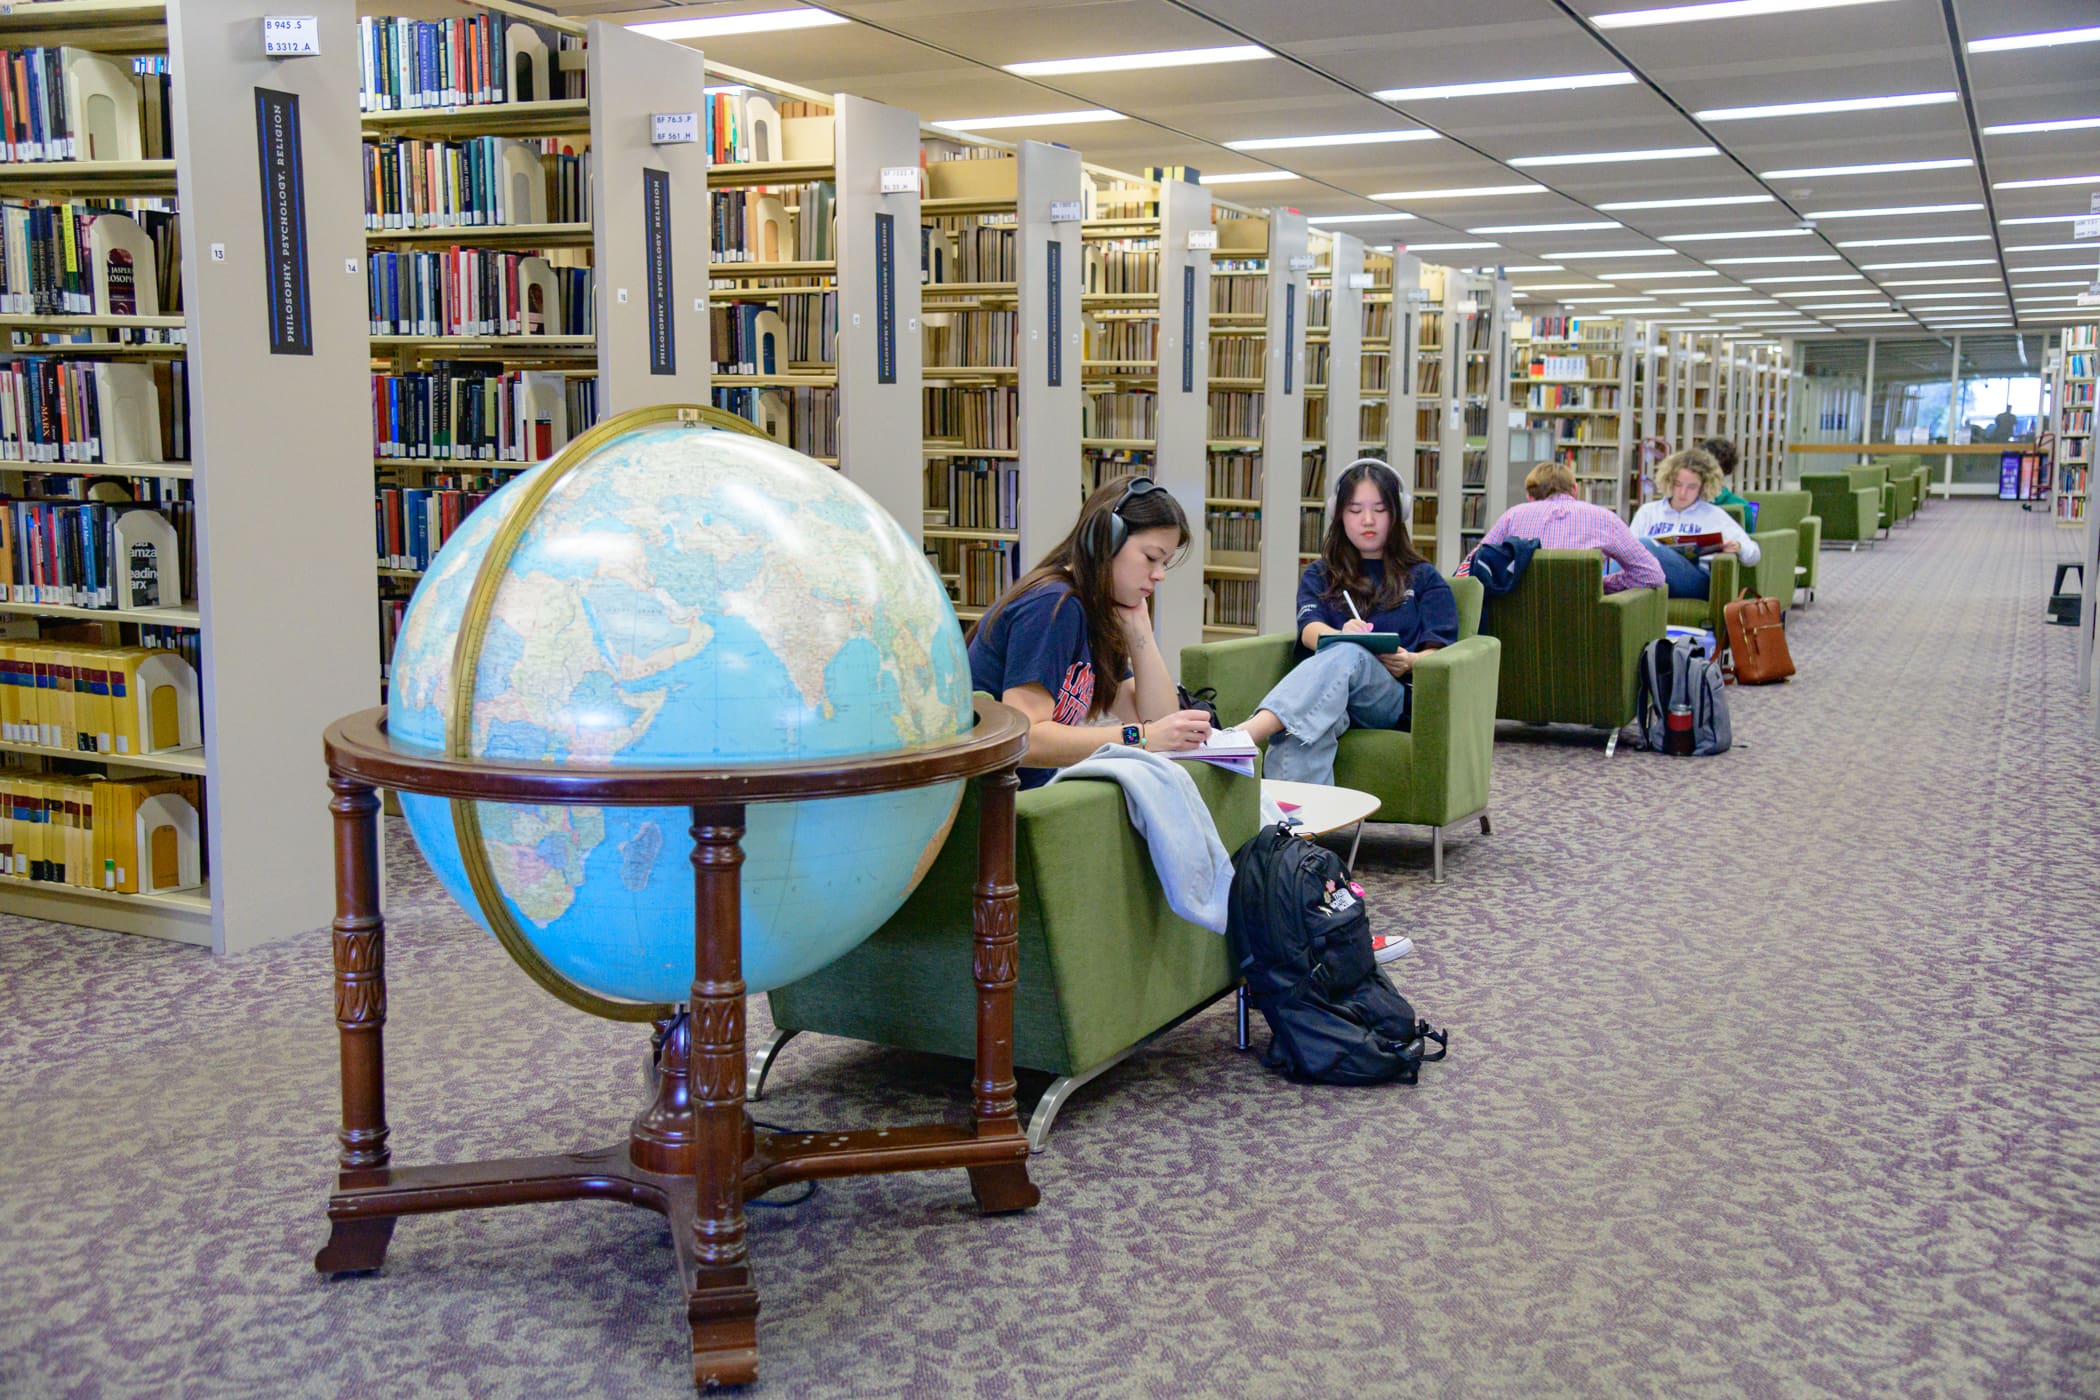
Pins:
x,y
959,250
979,418
412,523
1100,466
476,291
62,103
84,412
803,417
80,554
982,495
74,259
748,127
774,223
130,836
478,182
1123,413
1112,270
961,339
466,60
99,701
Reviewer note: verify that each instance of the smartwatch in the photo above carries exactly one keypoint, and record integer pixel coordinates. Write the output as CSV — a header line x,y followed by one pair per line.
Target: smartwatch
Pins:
x,y
1134,736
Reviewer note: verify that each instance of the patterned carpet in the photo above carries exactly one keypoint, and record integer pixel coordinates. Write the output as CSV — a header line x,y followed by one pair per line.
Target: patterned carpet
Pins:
x,y
1772,1076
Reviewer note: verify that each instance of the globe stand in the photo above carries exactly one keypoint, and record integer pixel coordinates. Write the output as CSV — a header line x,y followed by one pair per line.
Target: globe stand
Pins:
x,y
693,1154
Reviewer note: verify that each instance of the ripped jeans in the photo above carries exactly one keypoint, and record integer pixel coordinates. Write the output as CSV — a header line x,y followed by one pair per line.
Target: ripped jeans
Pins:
x,y
1318,702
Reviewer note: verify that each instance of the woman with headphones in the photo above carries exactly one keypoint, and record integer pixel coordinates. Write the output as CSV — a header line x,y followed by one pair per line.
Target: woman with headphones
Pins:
x,y
1368,578
1081,614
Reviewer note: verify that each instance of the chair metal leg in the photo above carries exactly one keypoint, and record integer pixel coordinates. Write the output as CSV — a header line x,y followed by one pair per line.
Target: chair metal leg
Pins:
x,y
1242,1040
1436,858
1061,1088
762,1064
1354,842
1611,743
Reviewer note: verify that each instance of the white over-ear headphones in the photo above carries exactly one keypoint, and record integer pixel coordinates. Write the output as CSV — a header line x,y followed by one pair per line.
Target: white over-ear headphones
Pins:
x,y
1334,491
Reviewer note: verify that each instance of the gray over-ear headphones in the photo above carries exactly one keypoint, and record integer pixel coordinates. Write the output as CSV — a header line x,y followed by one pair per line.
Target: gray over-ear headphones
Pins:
x,y
1407,503
1118,528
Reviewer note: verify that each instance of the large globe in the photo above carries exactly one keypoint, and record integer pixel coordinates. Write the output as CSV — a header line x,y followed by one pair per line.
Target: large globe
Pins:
x,y
681,594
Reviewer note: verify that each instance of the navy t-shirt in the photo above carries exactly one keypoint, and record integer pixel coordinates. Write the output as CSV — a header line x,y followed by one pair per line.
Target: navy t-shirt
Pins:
x,y
1039,638
1427,615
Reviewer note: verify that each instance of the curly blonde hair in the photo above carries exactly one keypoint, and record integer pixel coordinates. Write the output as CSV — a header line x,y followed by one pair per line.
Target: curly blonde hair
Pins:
x,y
1692,459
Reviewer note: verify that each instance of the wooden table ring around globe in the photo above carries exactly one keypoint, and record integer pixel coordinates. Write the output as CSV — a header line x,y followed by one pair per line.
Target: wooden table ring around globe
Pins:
x,y
692,1154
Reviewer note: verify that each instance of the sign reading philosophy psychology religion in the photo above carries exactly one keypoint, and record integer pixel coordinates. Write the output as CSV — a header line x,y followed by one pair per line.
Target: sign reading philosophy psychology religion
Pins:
x,y
287,294
656,273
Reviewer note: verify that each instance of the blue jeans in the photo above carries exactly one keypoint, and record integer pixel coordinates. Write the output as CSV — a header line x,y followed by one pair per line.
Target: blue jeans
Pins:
x,y
1685,579
1319,700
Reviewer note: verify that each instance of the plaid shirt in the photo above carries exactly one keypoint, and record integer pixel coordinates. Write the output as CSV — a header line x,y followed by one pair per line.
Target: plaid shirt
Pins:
x,y
1562,522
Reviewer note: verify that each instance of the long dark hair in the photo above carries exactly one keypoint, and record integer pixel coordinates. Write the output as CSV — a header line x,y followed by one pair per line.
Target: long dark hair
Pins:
x,y
1345,562
1081,561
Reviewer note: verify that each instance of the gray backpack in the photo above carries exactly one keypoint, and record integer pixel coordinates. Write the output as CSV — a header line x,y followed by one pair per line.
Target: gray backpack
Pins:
x,y
1679,680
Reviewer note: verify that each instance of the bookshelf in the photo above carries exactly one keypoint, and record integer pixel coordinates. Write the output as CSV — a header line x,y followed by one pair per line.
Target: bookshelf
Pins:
x,y
2071,464
1124,314
1474,461
1575,376
195,328
1004,350
1425,303
1389,430
1334,396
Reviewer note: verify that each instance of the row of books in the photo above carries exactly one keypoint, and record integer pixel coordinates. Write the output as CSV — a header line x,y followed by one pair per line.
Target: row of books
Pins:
x,y
1573,367
98,554
105,701
1232,531
1472,512
950,251
1316,360
1120,271
1315,427
1124,340
80,260
1100,465
1231,602
747,337
1236,413
812,320
1571,396
1429,331
93,411
134,836
980,418
982,495
1312,531
965,338
777,223
1371,419
806,419
476,291
1312,474
481,182
1120,201
468,60
1480,376
1233,475
410,524
1123,414
1374,376
1238,296
1378,320
74,104
472,411
1319,308
1600,431
1597,330
2074,480
977,573
1426,472
746,127
2078,365
1429,377
1236,356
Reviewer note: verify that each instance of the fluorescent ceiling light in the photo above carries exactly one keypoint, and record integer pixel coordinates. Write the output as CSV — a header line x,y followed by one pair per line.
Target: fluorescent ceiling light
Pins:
x,y
1738,301
1869,320
1915,242
1545,228
1717,9
1445,247
766,22
1643,276
2058,267
1614,253
1686,203
1853,306
1767,262
1463,192
2037,128
1820,292
2046,39
1506,85
1687,291
1914,266
2046,184
1247,177
1739,233
1613,157
1621,299
1126,62
2048,248
1836,104
1940,282
1356,218
1092,114
1947,296
1817,277
1340,138
1894,167
2022,287
1892,211
1537,267
1566,287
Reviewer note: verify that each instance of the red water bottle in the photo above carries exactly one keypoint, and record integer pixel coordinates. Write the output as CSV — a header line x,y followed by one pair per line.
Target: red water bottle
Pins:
x,y
1677,730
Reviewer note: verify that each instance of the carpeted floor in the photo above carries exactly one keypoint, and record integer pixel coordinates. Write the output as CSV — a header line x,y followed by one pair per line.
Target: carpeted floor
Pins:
x,y
1776,1075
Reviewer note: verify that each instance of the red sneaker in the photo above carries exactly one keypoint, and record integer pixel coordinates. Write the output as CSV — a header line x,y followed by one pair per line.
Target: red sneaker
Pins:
x,y
1386,947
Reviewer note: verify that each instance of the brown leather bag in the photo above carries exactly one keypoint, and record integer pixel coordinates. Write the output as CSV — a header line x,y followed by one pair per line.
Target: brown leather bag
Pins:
x,y
1757,639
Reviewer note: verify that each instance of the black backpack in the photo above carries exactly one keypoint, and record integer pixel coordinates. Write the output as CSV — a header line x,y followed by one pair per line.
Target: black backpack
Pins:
x,y
1677,671
1300,937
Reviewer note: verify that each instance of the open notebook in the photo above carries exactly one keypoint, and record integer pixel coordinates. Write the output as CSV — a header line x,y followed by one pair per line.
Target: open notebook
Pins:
x,y
1228,748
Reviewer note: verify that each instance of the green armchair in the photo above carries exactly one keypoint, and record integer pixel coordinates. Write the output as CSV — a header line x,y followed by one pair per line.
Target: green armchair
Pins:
x,y
1571,651
1850,511
1106,965
1771,577
1794,510
1434,774
1876,478
1911,478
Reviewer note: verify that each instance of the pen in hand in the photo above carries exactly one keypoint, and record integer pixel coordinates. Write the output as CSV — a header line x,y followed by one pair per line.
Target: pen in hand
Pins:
x,y
1365,626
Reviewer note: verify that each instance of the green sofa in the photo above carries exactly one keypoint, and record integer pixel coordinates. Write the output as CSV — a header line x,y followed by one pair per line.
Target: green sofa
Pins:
x,y
1876,478
1771,577
1850,510
1435,774
1105,964
1794,510
1570,651
1908,473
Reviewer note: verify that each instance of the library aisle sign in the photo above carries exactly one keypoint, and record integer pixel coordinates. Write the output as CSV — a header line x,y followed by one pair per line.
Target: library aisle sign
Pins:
x,y
284,222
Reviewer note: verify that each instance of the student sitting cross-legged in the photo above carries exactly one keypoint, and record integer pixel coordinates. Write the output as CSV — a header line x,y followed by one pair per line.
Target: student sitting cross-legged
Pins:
x,y
1368,578
1692,478
1081,614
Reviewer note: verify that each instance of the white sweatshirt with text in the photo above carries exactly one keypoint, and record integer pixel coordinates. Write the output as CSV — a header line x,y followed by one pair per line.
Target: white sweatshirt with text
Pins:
x,y
1704,518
